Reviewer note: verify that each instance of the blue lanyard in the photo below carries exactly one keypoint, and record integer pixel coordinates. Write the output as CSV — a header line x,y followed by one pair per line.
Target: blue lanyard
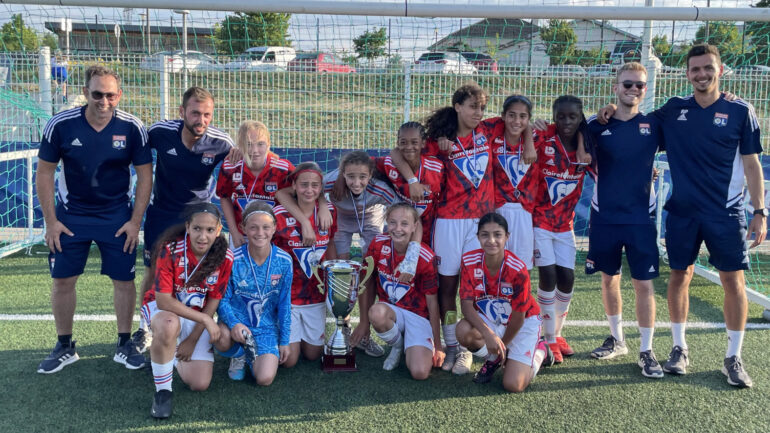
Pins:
x,y
260,292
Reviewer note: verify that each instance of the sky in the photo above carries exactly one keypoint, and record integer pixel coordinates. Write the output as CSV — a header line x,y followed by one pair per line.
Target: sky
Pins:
x,y
409,36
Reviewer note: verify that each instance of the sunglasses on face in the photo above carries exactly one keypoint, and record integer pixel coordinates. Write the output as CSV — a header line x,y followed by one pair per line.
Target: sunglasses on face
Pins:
x,y
97,95
639,84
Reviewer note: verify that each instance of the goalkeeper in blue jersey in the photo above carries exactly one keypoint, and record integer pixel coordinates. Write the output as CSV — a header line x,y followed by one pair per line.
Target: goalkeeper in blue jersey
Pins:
x,y
255,314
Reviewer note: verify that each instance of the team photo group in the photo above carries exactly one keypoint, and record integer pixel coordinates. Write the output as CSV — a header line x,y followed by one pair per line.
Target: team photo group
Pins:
x,y
465,203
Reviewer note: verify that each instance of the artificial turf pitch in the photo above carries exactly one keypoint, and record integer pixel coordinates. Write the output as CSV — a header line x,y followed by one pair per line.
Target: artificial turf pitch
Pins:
x,y
581,395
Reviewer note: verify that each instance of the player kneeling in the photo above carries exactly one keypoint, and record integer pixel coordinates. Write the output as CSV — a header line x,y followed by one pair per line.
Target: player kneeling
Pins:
x,y
256,311
500,313
407,315
191,265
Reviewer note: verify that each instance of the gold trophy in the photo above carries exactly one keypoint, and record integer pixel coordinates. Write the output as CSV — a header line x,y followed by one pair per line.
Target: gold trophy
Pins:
x,y
343,283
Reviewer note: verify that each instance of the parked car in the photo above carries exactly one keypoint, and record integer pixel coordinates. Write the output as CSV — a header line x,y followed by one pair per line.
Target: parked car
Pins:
x,y
600,70
484,63
175,62
443,63
752,70
263,59
565,71
321,63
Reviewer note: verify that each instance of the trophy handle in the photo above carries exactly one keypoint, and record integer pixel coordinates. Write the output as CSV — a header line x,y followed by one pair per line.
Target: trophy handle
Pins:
x,y
318,277
369,269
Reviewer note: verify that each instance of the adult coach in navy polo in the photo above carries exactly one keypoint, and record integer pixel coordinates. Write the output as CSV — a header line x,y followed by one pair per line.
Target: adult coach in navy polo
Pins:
x,y
711,144
96,145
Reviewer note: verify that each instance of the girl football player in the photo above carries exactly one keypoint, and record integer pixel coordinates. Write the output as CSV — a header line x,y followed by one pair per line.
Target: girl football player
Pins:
x,y
501,317
467,194
407,315
258,300
192,265
559,176
308,308
511,164
257,176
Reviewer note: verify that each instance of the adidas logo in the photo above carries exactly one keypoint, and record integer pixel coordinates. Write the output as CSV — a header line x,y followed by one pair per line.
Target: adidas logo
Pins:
x,y
383,262
76,142
682,116
652,268
294,233
171,151
606,132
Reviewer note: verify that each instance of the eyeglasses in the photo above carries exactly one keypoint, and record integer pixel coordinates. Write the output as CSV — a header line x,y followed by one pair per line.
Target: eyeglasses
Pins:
x,y
97,95
639,84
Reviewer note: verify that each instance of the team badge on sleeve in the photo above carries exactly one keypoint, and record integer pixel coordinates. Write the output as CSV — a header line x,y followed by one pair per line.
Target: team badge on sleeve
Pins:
x,y
212,279
720,119
208,158
119,142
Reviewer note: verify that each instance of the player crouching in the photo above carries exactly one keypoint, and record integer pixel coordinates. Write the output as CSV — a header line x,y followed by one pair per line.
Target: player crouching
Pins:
x,y
407,315
256,311
501,316
191,266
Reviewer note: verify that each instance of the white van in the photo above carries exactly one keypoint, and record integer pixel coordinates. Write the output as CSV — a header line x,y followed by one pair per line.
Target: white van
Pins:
x,y
263,59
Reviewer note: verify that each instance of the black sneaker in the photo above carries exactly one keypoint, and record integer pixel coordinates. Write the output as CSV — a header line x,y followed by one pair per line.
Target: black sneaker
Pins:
x,y
650,366
484,375
677,362
162,404
610,349
129,356
142,340
60,357
736,375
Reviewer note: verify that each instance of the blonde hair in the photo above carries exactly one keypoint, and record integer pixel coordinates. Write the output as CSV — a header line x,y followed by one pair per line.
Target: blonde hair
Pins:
x,y
242,138
630,66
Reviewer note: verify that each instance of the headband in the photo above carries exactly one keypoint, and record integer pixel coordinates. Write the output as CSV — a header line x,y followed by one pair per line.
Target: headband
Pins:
x,y
205,207
295,175
246,217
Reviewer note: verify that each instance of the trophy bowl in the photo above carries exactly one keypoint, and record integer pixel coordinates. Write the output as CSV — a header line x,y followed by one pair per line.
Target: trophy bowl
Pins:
x,y
343,283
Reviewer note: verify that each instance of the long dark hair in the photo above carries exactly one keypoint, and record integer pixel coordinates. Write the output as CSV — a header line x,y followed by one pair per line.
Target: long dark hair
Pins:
x,y
443,122
492,217
583,127
216,254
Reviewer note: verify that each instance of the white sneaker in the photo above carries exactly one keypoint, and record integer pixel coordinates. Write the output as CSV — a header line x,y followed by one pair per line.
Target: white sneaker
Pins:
x,y
237,370
449,360
463,362
393,359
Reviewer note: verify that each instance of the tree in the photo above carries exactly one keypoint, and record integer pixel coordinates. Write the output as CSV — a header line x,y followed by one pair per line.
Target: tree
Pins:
x,y
241,31
16,36
725,36
559,39
51,41
371,44
594,56
665,51
759,34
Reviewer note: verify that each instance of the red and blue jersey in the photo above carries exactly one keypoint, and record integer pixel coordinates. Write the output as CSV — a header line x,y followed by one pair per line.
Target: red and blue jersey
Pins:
x,y
497,293
174,268
704,148
410,296
95,178
469,189
184,176
430,174
238,183
510,170
560,183
625,153
288,237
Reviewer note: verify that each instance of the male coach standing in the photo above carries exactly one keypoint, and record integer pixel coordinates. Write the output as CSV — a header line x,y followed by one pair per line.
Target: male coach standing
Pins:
x,y
711,144
96,144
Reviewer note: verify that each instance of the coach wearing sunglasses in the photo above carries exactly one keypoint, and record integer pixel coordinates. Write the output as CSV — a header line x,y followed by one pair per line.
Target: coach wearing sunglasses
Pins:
x,y
96,145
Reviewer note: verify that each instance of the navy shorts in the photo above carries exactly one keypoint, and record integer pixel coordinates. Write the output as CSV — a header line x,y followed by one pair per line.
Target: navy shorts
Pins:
x,y
156,222
725,241
72,259
607,241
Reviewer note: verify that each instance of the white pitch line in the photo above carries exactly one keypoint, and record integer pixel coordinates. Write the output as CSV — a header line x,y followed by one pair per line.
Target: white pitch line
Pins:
x,y
575,323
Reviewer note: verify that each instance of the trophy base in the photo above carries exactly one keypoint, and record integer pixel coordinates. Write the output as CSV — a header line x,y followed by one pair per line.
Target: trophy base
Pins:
x,y
334,363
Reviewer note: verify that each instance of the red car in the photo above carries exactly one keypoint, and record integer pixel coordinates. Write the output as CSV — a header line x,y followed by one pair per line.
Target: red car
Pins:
x,y
483,62
319,62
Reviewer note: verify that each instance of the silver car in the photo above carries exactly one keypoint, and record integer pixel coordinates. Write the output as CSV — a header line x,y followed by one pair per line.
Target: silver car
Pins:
x,y
176,62
438,62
